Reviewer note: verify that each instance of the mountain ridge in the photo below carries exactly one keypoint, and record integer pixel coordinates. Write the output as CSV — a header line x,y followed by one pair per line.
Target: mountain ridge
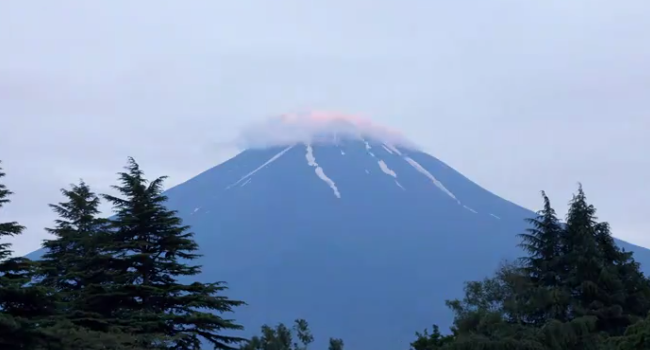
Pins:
x,y
371,265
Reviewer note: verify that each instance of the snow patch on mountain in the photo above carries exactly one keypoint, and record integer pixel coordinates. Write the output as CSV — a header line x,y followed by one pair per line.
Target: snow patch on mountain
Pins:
x,y
316,128
393,148
274,158
470,209
384,167
435,181
388,171
311,161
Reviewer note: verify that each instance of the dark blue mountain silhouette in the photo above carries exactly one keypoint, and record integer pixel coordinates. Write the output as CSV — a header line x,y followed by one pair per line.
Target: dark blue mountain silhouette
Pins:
x,y
371,267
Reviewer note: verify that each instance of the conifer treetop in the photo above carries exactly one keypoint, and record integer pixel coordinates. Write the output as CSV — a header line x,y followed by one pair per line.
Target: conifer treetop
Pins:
x,y
153,249
7,229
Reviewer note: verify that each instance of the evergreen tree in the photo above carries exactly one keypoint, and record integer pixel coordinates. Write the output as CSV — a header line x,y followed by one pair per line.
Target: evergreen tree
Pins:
x,y
575,289
603,279
69,336
7,229
636,337
76,268
542,243
582,259
24,308
152,248
546,298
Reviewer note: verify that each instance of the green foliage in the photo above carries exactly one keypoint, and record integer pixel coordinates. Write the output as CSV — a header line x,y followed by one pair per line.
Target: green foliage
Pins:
x,y
119,284
637,336
281,337
65,335
7,229
24,308
75,266
113,284
151,249
335,344
431,341
575,289
302,332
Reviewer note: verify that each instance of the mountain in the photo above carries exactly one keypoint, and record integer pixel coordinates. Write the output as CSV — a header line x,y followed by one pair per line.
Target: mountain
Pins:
x,y
361,236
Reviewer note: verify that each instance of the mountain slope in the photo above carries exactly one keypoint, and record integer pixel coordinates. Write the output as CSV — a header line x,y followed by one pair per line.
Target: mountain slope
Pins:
x,y
363,239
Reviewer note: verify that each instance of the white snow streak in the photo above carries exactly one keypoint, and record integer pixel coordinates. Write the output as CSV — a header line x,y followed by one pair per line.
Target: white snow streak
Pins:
x,y
275,157
435,181
342,153
386,169
470,209
393,148
387,149
311,161
368,148
246,182
495,216
195,210
367,171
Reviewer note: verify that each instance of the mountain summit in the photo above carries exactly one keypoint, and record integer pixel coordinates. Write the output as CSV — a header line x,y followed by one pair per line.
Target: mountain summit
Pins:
x,y
348,225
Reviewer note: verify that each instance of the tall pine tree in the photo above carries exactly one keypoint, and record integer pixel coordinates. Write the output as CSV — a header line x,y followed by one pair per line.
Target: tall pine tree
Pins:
x,y
153,250
77,267
546,298
24,308
582,260
574,289
7,229
603,279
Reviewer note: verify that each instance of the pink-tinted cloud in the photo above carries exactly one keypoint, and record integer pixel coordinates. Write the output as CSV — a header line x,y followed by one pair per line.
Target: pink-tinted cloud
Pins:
x,y
317,127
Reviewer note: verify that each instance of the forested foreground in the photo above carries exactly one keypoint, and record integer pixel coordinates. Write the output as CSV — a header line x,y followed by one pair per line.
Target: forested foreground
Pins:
x,y
114,284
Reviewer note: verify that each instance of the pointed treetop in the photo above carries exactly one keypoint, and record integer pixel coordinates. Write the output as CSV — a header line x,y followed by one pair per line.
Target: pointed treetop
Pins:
x,y
133,167
579,209
80,208
4,192
7,229
548,208
133,183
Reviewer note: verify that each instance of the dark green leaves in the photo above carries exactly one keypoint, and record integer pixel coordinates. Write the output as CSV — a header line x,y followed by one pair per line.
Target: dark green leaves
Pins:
x,y
574,289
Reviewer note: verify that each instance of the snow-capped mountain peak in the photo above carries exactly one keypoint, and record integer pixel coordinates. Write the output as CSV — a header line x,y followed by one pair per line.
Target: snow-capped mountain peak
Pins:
x,y
386,158
336,220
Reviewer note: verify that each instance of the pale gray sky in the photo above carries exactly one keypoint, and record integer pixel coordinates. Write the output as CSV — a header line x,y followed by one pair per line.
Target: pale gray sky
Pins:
x,y
517,95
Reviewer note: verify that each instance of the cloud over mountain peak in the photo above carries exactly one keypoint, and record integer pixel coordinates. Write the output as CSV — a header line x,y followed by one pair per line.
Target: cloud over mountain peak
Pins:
x,y
317,127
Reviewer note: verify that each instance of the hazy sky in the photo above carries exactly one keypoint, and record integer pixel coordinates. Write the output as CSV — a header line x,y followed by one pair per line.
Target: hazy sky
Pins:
x,y
517,95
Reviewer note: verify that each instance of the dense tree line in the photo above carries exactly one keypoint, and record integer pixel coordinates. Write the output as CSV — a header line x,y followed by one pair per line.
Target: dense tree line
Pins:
x,y
111,283
117,284
573,289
